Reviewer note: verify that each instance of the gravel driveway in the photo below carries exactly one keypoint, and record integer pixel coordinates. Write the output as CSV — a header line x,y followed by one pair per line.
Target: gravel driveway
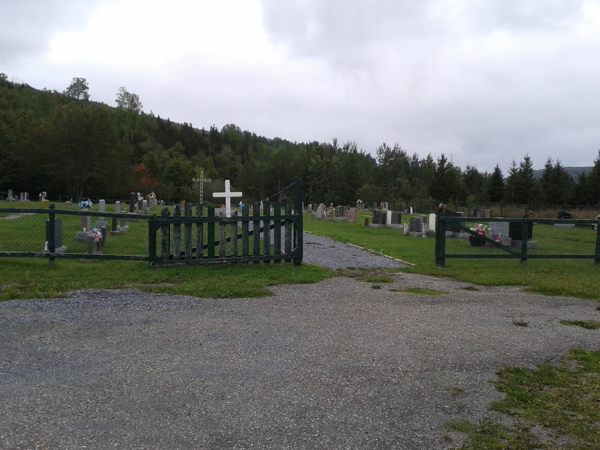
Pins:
x,y
335,364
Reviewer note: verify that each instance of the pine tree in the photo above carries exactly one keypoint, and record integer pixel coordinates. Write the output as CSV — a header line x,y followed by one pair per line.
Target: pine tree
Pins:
x,y
496,190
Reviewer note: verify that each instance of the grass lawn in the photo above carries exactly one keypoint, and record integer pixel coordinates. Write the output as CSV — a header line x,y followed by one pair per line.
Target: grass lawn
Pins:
x,y
553,407
568,277
34,277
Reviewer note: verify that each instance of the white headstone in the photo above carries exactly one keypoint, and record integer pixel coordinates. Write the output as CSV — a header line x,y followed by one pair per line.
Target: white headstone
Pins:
x,y
10,195
432,219
118,207
388,218
145,206
228,195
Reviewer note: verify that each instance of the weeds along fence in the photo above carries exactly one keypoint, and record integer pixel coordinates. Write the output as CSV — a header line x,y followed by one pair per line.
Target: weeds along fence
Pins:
x,y
192,235
521,239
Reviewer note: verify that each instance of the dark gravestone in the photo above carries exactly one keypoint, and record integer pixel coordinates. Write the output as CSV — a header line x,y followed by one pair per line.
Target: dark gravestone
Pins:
x,y
378,217
396,218
132,200
455,227
564,215
57,232
416,224
514,230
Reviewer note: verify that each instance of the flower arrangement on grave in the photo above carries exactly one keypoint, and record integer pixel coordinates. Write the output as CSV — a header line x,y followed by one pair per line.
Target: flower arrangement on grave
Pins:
x,y
85,204
473,240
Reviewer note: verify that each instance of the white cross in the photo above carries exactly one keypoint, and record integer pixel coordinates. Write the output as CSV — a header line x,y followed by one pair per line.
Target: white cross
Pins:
x,y
228,195
202,180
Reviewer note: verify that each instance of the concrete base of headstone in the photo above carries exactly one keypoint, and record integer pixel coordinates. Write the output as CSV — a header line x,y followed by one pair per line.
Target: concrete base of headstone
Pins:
x,y
123,228
339,219
114,233
455,235
377,225
531,245
62,249
395,225
82,236
564,225
416,234
430,233
101,224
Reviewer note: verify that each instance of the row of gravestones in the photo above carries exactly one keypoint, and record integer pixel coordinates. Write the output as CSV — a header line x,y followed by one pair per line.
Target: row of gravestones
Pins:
x,y
23,196
335,213
141,205
95,235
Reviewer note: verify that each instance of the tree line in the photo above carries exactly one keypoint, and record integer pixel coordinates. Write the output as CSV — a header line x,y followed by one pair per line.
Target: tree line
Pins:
x,y
65,143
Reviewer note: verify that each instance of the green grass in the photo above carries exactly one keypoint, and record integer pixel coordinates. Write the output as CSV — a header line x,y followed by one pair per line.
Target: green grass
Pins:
x,y
423,291
552,407
566,277
30,278
587,324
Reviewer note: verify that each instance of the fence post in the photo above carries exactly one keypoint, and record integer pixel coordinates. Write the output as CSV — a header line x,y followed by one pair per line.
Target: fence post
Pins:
x,y
188,233
277,230
51,227
165,236
299,229
597,259
440,242
524,238
177,233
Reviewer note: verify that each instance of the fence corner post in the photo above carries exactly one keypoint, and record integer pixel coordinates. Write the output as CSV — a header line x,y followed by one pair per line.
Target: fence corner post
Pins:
x,y
440,242
51,234
524,239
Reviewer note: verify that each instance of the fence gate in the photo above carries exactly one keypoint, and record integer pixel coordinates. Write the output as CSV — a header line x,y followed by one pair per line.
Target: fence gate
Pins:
x,y
271,233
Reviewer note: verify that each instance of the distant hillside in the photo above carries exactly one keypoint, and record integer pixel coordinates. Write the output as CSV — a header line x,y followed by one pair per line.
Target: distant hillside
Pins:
x,y
572,171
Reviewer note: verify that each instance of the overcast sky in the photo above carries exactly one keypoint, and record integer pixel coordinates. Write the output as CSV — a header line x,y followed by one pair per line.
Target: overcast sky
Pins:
x,y
483,82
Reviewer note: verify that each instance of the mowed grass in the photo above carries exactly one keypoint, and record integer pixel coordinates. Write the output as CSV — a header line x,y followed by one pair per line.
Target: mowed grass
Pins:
x,y
567,277
35,277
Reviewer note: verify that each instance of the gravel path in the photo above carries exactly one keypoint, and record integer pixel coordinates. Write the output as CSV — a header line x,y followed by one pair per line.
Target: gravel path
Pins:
x,y
330,365
326,252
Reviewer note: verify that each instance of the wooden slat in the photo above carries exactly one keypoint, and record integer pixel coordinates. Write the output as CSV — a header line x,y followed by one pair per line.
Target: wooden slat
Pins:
x,y
164,235
188,233
222,240
256,229
234,234
245,232
199,234
267,228
277,230
211,233
177,234
288,233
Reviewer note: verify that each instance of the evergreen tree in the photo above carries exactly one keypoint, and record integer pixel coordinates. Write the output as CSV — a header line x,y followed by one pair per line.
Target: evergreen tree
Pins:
x,y
496,189
442,186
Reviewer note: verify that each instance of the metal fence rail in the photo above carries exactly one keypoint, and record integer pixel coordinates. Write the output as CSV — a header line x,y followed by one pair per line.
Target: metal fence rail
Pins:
x,y
521,239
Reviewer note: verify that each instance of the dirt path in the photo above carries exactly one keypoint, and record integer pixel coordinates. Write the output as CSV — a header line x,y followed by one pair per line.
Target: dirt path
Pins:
x,y
335,364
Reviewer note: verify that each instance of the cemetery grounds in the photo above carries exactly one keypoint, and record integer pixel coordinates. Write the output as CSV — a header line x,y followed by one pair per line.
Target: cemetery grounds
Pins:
x,y
535,396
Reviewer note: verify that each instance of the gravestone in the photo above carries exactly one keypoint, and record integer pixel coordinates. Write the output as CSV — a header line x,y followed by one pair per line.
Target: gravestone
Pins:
x,y
385,206
84,223
26,197
339,213
21,196
377,218
500,230
144,206
394,220
411,210
487,213
352,214
564,215
228,195
320,211
132,200
514,230
416,224
101,207
474,212
10,195
431,222
58,236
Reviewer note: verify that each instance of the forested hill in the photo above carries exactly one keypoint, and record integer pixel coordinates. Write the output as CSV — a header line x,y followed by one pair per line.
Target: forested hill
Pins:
x,y
573,172
64,143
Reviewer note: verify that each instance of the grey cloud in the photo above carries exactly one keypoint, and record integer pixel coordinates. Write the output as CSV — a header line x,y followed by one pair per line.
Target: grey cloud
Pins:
x,y
26,26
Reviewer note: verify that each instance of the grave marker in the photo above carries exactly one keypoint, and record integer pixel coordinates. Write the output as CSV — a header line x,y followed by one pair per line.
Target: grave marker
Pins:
x,y
228,195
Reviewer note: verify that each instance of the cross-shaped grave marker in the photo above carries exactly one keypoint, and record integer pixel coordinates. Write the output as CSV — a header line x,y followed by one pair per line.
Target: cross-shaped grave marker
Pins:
x,y
201,180
228,195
